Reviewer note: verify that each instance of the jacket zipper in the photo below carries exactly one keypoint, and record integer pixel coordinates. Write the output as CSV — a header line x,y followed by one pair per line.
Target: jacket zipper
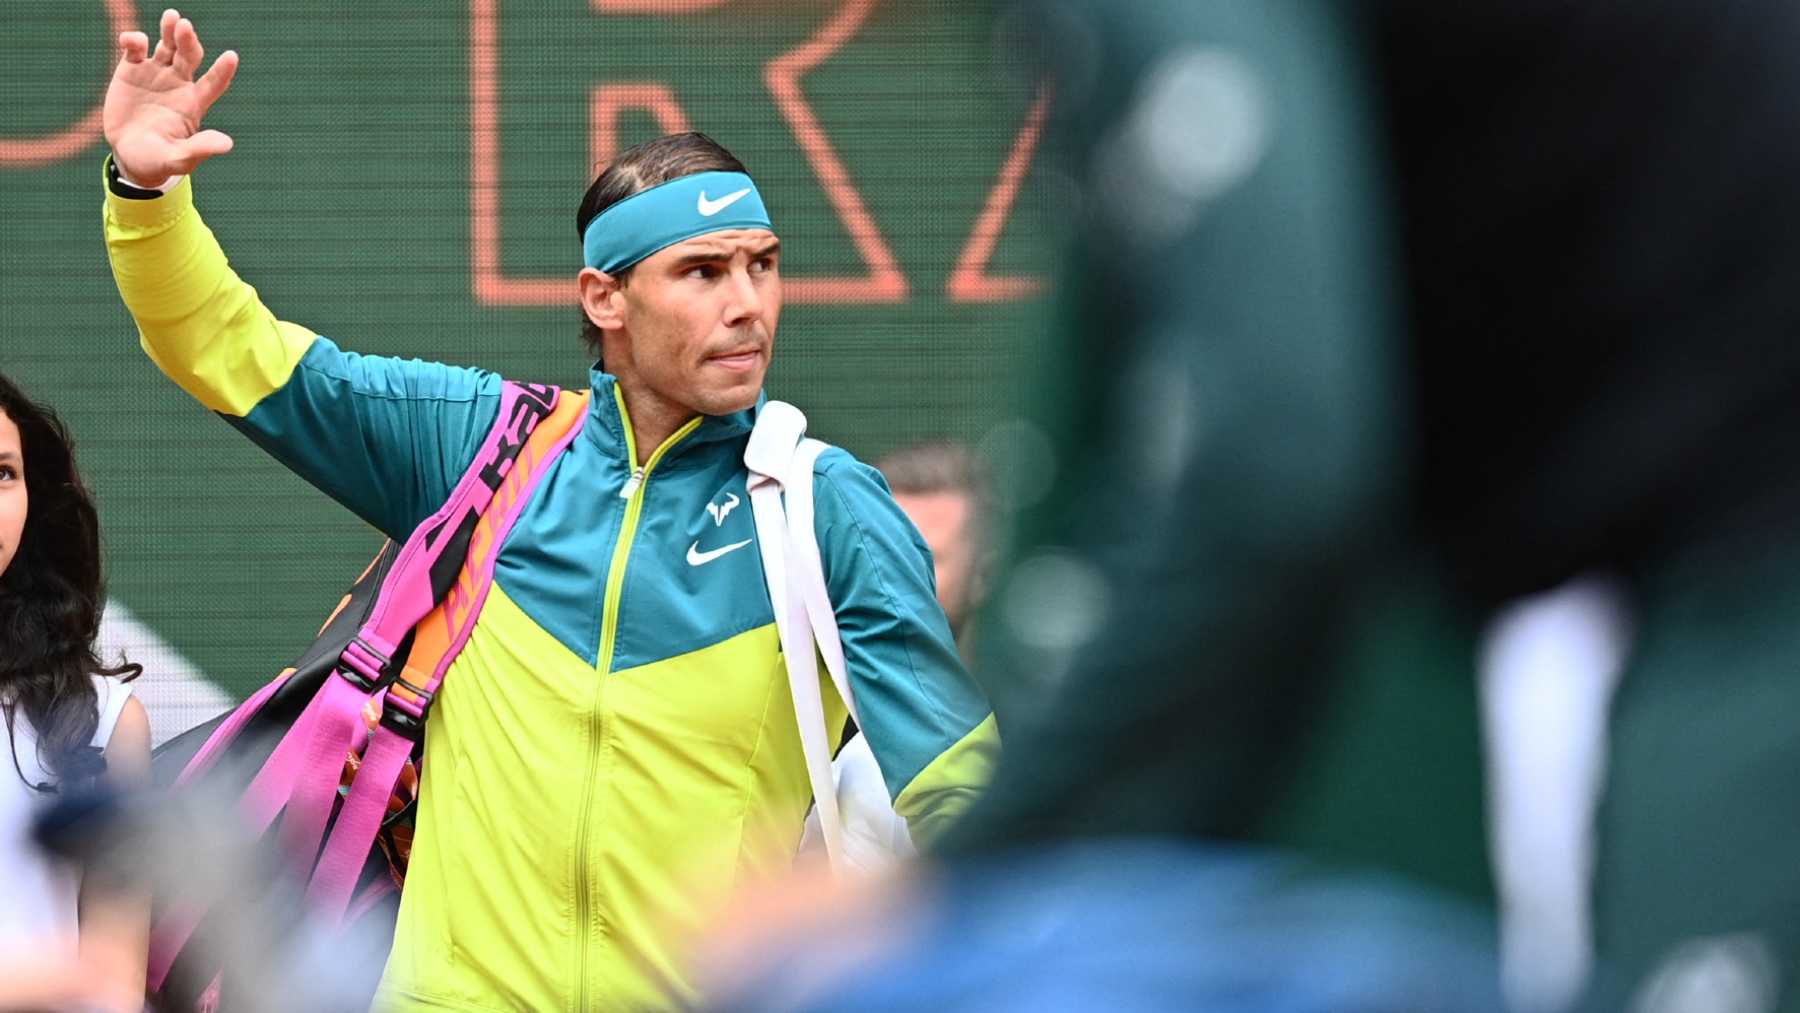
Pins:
x,y
632,492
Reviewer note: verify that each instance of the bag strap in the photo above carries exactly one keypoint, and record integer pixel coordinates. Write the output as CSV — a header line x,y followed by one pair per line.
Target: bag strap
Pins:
x,y
439,638
433,556
808,569
407,595
780,460
419,569
301,776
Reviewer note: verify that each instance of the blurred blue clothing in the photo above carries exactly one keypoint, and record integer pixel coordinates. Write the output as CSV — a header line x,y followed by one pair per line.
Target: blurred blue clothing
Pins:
x,y
1162,924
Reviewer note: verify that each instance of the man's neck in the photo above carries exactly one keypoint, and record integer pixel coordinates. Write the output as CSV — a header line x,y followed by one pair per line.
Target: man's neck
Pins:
x,y
652,418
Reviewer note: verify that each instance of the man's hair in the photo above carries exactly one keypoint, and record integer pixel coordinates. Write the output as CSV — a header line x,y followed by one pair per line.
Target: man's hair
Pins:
x,y
637,169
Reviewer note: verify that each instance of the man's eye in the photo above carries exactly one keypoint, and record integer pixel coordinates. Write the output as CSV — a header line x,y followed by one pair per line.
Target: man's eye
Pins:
x,y
703,271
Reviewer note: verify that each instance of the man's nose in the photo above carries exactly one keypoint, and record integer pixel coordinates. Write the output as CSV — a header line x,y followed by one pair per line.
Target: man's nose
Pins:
x,y
746,299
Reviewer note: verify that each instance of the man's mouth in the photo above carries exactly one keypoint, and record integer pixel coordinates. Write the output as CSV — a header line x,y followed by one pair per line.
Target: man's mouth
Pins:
x,y
741,360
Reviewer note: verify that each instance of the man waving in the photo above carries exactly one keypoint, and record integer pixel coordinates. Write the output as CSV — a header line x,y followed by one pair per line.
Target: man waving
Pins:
x,y
615,747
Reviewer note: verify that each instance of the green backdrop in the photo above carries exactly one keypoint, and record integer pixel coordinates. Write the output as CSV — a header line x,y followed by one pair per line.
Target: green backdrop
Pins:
x,y
405,179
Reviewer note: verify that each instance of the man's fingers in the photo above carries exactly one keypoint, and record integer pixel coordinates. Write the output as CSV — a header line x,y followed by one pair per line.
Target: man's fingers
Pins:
x,y
217,78
205,145
149,111
165,42
188,51
149,161
133,46
187,154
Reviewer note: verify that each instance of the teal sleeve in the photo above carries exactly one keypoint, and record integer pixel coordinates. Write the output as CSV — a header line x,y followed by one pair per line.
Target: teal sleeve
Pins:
x,y
388,438
917,700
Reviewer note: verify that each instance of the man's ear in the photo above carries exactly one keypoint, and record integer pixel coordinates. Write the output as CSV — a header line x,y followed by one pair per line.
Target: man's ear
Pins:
x,y
601,299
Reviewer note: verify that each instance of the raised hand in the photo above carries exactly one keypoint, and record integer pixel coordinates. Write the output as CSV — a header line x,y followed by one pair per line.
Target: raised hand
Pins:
x,y
155,103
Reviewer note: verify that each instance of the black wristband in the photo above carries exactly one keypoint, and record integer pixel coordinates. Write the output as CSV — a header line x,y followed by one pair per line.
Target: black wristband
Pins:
x,y
120,188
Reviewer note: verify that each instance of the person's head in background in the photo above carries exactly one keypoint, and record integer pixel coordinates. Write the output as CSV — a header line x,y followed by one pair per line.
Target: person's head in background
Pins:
x,y
50,588
945,491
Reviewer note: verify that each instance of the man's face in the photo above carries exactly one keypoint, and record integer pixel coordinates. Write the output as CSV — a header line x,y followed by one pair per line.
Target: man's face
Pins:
x,y
942,517
701,318
12,490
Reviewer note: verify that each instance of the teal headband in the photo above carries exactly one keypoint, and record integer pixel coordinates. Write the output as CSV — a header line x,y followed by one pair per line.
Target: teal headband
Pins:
x,y
664,215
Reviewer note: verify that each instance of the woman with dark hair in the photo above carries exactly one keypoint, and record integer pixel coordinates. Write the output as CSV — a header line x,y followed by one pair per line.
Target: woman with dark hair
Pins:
x,y
67,941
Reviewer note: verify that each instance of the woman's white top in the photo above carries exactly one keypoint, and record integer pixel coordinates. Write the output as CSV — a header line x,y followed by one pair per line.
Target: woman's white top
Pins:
x,y
38,893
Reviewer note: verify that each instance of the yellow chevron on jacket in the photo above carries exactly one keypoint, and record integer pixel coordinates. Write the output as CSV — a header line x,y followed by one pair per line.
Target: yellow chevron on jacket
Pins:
x,y
707,773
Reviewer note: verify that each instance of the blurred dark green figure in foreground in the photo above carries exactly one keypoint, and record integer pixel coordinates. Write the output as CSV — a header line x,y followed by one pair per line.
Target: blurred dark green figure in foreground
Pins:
x,y
1389,313
1226,399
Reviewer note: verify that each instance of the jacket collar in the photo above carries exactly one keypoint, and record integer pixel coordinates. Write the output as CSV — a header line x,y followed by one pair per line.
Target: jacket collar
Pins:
x,y
606,427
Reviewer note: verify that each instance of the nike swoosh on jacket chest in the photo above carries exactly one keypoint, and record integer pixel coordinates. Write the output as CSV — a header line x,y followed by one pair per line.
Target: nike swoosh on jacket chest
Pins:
x,y
556,561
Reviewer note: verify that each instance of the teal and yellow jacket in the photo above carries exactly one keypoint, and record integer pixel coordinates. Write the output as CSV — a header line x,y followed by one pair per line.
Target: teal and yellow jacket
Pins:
x,y
615,750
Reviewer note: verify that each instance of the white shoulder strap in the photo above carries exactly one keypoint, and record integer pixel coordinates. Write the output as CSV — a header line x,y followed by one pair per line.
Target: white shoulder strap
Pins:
x,y
779,460
779,427
807,570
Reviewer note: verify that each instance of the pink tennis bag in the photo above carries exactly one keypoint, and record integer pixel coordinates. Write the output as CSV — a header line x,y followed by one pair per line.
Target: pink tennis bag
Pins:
x,y
324,762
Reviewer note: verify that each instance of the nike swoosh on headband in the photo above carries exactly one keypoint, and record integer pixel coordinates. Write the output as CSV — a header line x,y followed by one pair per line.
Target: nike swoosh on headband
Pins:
x,y
713,207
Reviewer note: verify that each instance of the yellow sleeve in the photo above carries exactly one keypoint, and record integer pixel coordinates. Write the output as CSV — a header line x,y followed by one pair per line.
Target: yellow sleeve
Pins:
x,y
950,784
201,324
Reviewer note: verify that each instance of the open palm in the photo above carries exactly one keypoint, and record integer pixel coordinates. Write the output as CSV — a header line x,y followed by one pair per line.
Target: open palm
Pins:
x,y
155,103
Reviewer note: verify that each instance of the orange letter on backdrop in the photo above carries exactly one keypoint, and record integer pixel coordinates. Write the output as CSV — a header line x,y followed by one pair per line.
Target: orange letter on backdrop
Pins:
x,y
655,6
76,139
969,281
884,283
491,285
612,99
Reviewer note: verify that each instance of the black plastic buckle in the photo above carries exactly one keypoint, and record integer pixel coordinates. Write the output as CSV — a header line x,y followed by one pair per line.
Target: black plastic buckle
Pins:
x,y
354,675
396,718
